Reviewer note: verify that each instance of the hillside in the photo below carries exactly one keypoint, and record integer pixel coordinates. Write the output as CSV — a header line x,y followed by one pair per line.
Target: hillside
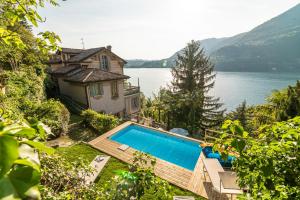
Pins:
x,y
271,46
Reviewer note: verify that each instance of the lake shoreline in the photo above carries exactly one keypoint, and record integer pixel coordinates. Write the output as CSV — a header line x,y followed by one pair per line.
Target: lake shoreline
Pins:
x,y
232,87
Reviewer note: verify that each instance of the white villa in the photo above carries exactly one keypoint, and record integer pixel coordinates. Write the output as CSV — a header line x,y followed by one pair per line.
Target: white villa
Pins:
x,y
94,79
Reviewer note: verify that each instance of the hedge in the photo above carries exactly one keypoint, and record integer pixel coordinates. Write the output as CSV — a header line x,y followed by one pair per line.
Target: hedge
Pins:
x,y
100,122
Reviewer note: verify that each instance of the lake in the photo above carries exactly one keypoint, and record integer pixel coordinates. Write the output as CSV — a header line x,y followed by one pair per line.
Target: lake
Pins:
x,y
231,87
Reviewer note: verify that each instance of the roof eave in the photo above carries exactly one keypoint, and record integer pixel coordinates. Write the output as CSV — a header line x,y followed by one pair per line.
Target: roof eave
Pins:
x,y
86,82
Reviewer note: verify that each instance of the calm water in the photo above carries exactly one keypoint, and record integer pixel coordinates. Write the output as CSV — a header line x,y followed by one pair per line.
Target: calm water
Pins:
x,y
181,152
231,87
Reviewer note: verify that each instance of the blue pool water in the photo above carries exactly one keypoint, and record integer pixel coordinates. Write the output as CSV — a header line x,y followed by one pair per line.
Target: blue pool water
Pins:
x,y
181,152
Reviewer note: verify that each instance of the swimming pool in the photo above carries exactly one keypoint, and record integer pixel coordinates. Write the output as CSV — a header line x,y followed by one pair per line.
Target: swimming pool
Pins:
x,y
179,151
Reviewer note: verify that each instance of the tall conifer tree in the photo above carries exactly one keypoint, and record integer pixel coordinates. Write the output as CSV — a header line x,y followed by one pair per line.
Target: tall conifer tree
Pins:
x,y
193,77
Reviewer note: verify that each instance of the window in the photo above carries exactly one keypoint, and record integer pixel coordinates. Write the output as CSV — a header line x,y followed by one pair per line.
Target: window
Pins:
x,y
96,89
114,89
104,63
135,102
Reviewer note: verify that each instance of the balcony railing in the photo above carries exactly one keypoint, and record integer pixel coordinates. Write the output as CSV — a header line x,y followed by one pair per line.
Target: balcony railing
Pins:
x,y
129,90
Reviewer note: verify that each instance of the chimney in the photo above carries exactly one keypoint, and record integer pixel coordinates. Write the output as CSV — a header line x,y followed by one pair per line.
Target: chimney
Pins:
x,y
108,47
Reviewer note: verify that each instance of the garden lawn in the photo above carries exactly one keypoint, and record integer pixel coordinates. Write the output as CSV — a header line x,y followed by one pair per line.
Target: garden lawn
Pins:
x,y
88,153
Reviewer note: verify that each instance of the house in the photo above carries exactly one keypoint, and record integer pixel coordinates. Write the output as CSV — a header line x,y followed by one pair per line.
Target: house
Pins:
x,y
94,78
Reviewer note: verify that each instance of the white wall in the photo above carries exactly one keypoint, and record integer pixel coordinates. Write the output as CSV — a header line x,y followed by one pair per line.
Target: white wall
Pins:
x,y
75,91
106,103
114,64
128,104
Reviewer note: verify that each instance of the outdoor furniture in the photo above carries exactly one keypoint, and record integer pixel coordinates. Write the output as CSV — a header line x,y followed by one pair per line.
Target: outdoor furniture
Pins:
x,y
208,152
222,182
97,165
179,131
123,147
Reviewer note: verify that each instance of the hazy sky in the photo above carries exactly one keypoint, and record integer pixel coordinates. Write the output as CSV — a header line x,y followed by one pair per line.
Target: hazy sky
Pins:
x,y
155,29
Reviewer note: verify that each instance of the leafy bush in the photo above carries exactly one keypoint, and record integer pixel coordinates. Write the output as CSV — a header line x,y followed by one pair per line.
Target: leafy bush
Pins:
x,y
19,163
139,182
24,88
286,102
62,179
52,113
269,164
99,122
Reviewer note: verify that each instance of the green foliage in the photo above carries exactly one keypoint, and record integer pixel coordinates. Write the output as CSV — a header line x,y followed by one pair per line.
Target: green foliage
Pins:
x,y
100,122
24,88
286,103
108,175
186,102
53,113
15,12
240,114
19,162
269,163
62,179
140,178
15,58
25,99
281,105
88,153
193,77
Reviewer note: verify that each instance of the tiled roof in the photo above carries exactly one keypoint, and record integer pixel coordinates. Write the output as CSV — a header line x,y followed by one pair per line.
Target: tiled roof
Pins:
x,y
64,70
85,54
82,54
71,50
94,75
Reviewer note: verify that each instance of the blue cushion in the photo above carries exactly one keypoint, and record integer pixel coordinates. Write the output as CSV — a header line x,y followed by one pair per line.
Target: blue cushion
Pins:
x,y
208,152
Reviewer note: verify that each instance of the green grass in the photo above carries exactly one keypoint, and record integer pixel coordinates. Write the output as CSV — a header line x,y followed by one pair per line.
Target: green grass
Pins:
x,y
79,133
88,153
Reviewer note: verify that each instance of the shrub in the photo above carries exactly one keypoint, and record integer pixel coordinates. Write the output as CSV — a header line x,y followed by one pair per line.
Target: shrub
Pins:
x,y
139,182
99,122
62,179
268,164
19,163
52,113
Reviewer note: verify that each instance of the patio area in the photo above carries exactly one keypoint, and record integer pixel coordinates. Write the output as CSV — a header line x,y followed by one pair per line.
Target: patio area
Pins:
x,y
190,180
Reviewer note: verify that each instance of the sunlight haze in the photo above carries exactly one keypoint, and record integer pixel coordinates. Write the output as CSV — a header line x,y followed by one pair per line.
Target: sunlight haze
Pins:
x,y
154,29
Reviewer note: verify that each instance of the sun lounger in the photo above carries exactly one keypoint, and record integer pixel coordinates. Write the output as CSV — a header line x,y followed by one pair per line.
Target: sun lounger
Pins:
x,y
219,178
97,165
123,147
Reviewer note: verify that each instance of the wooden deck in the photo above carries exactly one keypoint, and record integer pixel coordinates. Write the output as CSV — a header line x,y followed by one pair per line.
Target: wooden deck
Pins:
x,y
181,177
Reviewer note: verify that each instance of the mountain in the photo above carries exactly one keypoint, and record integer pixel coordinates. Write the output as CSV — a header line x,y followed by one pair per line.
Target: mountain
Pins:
x,y
271,46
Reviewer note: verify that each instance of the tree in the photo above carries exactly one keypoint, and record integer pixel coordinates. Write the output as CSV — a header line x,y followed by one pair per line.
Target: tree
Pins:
x,y
12,57
286,102
268,163
193,77
240,114
14,12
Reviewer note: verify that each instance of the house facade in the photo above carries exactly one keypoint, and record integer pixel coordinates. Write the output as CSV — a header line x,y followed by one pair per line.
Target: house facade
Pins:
x,y
94,78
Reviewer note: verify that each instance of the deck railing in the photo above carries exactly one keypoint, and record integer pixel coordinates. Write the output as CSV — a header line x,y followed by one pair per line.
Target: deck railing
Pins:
x,y
129,90
145,121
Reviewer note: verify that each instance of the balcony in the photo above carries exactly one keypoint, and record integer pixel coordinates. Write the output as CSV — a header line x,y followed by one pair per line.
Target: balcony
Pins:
x,y
130,90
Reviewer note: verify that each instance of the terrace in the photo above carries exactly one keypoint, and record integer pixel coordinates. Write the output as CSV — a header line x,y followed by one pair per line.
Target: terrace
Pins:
x,y
130,90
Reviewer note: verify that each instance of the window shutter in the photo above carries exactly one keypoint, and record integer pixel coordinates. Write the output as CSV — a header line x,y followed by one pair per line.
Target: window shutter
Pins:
x,y
100,88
